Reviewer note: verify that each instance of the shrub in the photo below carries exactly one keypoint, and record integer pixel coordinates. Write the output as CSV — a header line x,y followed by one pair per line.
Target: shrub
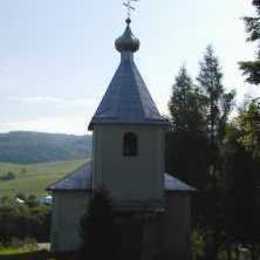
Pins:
x,y
8,177
198,244
32,201
21,221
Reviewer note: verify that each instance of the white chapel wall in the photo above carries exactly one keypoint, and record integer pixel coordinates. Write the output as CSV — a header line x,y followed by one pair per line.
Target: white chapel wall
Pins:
x,y
130,178
68,207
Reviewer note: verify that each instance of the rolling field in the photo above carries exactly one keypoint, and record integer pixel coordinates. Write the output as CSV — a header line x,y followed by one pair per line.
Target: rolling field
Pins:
x,y
33,178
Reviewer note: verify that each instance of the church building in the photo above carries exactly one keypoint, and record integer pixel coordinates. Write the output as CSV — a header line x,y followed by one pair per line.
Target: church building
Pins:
x,y
128,159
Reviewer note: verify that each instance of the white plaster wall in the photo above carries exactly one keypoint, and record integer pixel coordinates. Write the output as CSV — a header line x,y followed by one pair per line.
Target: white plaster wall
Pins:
x,y
170,235
129,178
68,207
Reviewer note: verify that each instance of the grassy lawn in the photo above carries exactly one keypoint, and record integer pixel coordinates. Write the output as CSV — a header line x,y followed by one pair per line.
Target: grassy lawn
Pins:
x,y
15,251
12,251
37,255
20,254
34,178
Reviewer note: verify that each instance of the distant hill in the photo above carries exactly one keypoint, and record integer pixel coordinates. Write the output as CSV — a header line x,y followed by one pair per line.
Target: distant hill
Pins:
x,y
34,147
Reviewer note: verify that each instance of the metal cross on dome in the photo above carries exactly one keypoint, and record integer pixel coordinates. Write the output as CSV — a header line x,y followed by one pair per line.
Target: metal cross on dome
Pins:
x,y
130,7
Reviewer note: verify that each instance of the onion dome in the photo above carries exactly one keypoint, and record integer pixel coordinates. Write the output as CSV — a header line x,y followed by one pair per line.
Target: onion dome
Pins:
x,y
127,100
127,42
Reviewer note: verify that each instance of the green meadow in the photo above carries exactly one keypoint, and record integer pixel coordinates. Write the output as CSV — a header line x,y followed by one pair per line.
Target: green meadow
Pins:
x,y
33,178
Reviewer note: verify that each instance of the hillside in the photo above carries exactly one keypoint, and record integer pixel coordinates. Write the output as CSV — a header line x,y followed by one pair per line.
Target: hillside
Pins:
x,y
33,147
34,178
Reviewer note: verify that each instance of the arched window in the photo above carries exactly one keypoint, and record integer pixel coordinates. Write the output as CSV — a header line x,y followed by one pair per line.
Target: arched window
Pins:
x,y
130,144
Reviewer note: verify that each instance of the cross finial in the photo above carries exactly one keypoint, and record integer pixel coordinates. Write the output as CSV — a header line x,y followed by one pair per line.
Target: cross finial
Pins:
x,y
129,7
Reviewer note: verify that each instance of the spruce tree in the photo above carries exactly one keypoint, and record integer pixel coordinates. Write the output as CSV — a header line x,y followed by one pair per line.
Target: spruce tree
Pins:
x,y
242,167
219,104
187,105
252,68
98,230
186,144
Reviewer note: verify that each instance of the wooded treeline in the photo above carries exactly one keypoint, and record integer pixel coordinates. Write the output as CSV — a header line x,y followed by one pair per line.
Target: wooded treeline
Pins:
x,y
33,147
217,154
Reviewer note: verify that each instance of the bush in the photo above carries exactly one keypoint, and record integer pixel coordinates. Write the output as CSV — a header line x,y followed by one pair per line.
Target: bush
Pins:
x,y
23,171
32,201
198,244
21,221
8,177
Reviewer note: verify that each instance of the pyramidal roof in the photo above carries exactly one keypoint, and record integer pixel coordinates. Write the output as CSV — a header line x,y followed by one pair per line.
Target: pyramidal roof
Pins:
x,y
127,99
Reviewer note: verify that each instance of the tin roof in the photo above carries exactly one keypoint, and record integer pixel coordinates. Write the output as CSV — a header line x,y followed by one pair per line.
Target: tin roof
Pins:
x,y
80,180
174,184
127,99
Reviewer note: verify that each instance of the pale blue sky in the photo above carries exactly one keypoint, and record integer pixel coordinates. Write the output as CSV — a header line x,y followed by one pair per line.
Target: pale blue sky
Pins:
x,y
57,57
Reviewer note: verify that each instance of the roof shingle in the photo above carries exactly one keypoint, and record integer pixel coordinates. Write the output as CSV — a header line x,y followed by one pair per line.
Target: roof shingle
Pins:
x,y
80,180
127,99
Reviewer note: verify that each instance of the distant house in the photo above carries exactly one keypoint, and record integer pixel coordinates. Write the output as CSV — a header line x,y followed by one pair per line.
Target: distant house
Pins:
x,y
128,158
19,201
47,200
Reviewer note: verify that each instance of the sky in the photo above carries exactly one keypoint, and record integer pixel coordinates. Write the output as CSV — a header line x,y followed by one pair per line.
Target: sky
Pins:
x,y
58,57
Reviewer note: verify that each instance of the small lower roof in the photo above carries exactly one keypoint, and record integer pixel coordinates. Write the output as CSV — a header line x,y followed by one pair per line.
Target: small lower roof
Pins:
x,y
80,180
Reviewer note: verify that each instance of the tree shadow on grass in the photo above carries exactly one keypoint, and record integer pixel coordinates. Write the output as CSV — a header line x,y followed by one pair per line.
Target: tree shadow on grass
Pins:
x,y
41,255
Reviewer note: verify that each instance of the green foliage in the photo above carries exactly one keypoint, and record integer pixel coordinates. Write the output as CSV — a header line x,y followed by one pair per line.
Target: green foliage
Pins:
x,y
32,201
253,24
219,102
219,105
20,221
28,243
32,147
243,163
8,177
194,148
247,128
199,115
187,108
242,195
19,246
198,244
36,177
251,69
187,157
98,229
187,105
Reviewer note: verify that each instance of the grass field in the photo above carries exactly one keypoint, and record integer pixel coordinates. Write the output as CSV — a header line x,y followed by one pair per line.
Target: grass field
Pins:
x,y
17,254
14,251
34,178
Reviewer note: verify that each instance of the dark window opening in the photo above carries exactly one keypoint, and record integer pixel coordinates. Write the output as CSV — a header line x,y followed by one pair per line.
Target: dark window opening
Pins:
x,y
130,144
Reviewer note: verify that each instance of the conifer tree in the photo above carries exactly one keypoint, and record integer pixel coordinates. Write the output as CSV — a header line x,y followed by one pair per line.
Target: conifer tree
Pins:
x,y
187,105
242,167
252,68
219,104
98,231
186,144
